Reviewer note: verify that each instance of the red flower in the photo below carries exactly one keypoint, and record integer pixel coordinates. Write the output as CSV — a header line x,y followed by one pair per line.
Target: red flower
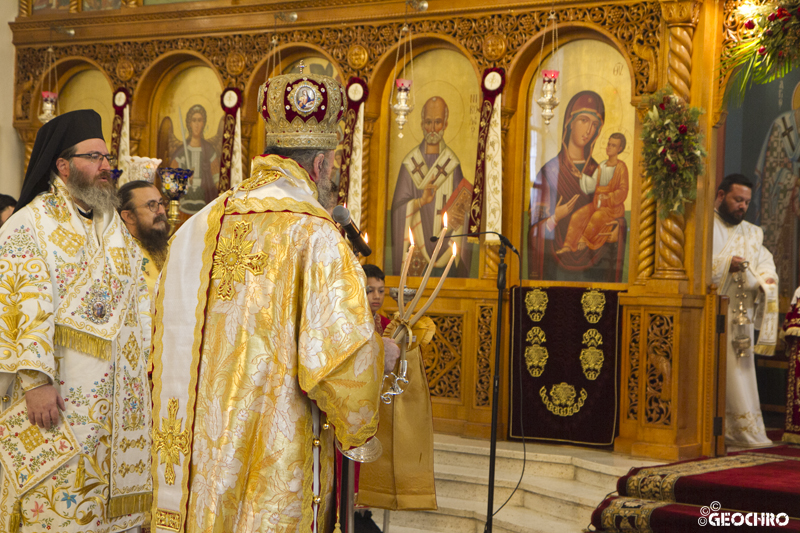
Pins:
x,y
662,106
768,33
673,168
772,17
750,25
682,129
762,50
783,13
780,54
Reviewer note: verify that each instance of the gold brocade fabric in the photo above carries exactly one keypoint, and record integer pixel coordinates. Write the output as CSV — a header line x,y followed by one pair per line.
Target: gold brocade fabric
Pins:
x,y
286,324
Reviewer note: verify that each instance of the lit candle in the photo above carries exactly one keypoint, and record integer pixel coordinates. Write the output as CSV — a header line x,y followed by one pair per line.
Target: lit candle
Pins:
x,y
432,262
437,289
406,264
366,238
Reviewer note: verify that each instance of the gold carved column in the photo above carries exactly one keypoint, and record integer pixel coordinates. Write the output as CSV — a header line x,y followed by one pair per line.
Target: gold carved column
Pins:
x,y
25,8
669,347
681,19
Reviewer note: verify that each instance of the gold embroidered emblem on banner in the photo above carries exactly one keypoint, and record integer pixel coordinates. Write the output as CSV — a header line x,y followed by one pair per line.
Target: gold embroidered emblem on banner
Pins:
x,y
170,442
536,354
536,304
593,302
233,258
592,357
66,240
168,520
562,400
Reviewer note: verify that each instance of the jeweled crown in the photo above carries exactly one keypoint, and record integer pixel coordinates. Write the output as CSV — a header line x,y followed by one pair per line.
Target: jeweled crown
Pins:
x,y
302,110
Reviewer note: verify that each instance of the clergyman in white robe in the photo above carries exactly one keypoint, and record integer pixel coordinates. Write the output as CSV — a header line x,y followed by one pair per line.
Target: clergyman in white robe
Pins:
x,y
744,425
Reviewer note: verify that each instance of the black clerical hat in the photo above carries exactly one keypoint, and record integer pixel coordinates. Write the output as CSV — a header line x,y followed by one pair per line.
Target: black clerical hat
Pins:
x,y
64,131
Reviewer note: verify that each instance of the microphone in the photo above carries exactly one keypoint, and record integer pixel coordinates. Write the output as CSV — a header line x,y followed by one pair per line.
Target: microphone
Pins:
x,y
503,238
342,217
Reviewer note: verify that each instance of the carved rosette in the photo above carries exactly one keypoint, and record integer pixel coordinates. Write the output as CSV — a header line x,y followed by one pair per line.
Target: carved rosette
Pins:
x,y
647,232
660,346
635,321
485,345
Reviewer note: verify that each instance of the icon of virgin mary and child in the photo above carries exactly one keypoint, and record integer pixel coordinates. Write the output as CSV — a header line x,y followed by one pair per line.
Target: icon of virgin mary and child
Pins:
x,y
578,227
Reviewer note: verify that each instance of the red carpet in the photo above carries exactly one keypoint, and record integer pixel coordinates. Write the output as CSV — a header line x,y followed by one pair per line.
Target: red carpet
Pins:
x,y
757,483
617,515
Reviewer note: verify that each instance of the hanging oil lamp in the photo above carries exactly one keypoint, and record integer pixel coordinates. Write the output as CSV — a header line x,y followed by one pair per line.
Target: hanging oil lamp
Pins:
x,y
403,103
548,100
49,108
402,108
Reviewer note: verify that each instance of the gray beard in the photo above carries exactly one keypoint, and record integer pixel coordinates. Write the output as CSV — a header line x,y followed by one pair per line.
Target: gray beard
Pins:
x,y
433,137
98,197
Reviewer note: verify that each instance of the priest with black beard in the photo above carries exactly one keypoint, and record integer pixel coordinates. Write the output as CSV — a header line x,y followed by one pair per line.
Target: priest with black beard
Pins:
x,y
143,211
744,271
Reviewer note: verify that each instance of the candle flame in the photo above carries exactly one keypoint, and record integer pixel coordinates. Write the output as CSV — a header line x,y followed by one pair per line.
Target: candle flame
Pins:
x,y
455,249
410,237
366,237
444,219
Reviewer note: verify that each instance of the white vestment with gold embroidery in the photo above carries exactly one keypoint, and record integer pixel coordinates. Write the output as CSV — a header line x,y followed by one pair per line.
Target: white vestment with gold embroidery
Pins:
x,y
262,305
71,291
744,424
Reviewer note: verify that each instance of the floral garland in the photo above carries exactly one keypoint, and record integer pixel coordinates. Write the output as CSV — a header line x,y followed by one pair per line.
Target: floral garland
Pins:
x,y
672,153
770,51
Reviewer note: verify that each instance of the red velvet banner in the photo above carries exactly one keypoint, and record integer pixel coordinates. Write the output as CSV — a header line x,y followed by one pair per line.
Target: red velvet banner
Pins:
x,y
357,94
492,84
122,98
564,365
231,101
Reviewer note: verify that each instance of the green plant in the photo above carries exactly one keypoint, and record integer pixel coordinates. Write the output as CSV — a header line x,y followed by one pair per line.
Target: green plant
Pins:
x,y
770,51
672,153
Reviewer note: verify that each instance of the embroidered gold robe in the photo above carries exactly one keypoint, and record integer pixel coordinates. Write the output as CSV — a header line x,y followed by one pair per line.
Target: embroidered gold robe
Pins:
x,y
744,423
71,291
281,324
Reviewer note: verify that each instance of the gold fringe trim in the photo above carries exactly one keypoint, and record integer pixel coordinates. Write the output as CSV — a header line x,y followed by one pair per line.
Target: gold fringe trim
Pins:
x,y
791,437
83,342
794,332
16,517
765,349
130,504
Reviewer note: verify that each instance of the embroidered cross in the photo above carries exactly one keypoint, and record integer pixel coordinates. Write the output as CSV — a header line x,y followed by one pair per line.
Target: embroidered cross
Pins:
x,y
788,132
170,441
441,170
417,168
233,257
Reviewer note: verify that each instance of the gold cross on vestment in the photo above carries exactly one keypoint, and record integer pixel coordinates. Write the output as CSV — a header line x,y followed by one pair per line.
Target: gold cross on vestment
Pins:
x,y
233,257
170,441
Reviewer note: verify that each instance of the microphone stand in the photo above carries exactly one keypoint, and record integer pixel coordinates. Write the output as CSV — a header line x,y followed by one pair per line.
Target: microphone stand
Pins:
x,y
501,287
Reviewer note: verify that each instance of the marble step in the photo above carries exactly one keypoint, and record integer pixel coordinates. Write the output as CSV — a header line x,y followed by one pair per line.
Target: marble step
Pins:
x,y
600,468
462,516
555,497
